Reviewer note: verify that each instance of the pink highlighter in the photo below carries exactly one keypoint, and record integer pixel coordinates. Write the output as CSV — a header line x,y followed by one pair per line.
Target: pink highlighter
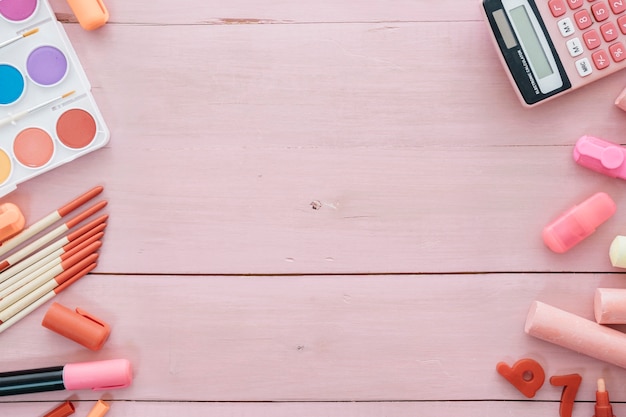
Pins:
x,y
577,223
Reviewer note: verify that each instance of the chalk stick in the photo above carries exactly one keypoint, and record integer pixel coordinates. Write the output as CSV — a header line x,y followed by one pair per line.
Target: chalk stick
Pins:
x,y
609,305
576,333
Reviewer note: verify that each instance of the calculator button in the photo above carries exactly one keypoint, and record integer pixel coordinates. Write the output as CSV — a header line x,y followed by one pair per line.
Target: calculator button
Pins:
x,y
621,22
600,59
591,38
609,31
557,7
618,6
583,66
583,19
618,52
566,26
575,47
575,4
600,11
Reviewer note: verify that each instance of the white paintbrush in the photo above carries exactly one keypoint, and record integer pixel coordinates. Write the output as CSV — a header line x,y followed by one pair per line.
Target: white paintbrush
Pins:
x,y
17,38
10,119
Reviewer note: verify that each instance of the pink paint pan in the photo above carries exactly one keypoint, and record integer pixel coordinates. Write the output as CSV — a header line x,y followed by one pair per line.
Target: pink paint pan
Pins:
x,y
48,116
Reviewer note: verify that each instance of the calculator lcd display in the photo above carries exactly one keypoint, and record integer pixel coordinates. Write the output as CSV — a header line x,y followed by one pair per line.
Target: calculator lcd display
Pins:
x,y
530,41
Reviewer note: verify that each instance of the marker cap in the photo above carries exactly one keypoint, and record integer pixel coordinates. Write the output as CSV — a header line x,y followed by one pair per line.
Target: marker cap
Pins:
x,y
99,410
78,325
11,221
98,376
579,222
64,410
91,14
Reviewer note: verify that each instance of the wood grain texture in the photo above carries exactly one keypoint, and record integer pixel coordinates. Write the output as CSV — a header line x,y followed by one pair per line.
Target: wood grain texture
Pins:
x,y
166,409
323,209
227,156
334,338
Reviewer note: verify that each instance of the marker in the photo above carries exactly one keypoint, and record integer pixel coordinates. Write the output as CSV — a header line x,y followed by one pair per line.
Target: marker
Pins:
x,y
603,406
97,376
34,305
49,220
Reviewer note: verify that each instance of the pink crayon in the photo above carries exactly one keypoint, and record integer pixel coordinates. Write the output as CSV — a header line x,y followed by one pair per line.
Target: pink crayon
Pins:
x,y
576,333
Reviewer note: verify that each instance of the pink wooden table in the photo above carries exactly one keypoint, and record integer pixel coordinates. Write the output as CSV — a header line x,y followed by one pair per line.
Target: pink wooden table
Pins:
x,y
323,208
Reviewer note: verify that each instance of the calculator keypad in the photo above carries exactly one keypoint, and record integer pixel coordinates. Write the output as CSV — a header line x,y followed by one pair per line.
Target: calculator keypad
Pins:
x,y
591,26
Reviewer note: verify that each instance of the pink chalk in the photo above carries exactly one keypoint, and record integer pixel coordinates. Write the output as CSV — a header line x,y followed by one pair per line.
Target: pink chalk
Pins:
x,y
609,306
576,333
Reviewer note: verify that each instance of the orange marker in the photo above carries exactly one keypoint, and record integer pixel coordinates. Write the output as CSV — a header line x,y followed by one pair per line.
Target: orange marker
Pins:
x,y
49,285
54,264
603,405
49,295
60,246
49,220
55,233
31,283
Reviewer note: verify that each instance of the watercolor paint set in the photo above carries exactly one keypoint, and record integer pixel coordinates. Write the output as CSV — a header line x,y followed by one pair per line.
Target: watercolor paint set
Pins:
x,y
48,116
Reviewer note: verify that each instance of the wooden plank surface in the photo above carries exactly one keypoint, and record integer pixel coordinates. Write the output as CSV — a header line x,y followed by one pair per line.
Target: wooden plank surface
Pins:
x,y
323,208
333,338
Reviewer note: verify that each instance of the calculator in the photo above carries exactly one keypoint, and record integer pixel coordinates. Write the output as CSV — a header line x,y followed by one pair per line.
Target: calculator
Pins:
x,y
551,47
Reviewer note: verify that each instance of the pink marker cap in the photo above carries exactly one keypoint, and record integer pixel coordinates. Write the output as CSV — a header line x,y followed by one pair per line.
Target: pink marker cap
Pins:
x,y
579,222
601,156
98,376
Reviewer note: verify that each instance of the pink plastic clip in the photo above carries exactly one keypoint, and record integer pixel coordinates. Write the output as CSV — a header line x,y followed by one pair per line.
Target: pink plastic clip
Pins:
x,y
601,156
577,223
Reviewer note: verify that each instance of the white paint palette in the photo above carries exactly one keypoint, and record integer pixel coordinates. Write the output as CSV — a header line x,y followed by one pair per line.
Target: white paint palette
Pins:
x,y
48,116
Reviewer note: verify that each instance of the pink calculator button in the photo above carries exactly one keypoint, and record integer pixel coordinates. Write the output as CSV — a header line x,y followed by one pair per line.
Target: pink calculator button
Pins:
x,y
591,38
583,19
575,4
600,59
621,22
600,11
618,52
618,6
557,7
609,31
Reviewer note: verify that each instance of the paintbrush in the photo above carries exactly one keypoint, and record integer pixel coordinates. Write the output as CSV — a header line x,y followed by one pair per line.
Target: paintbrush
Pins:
x,y
13,117
17,38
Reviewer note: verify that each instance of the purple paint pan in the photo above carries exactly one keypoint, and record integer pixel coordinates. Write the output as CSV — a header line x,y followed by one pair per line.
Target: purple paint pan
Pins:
x,y
46,65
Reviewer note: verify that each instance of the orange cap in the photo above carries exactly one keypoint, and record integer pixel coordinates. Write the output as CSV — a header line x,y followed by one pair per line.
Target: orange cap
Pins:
x,y
11,221
64,410
99,410
79,326
91,14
